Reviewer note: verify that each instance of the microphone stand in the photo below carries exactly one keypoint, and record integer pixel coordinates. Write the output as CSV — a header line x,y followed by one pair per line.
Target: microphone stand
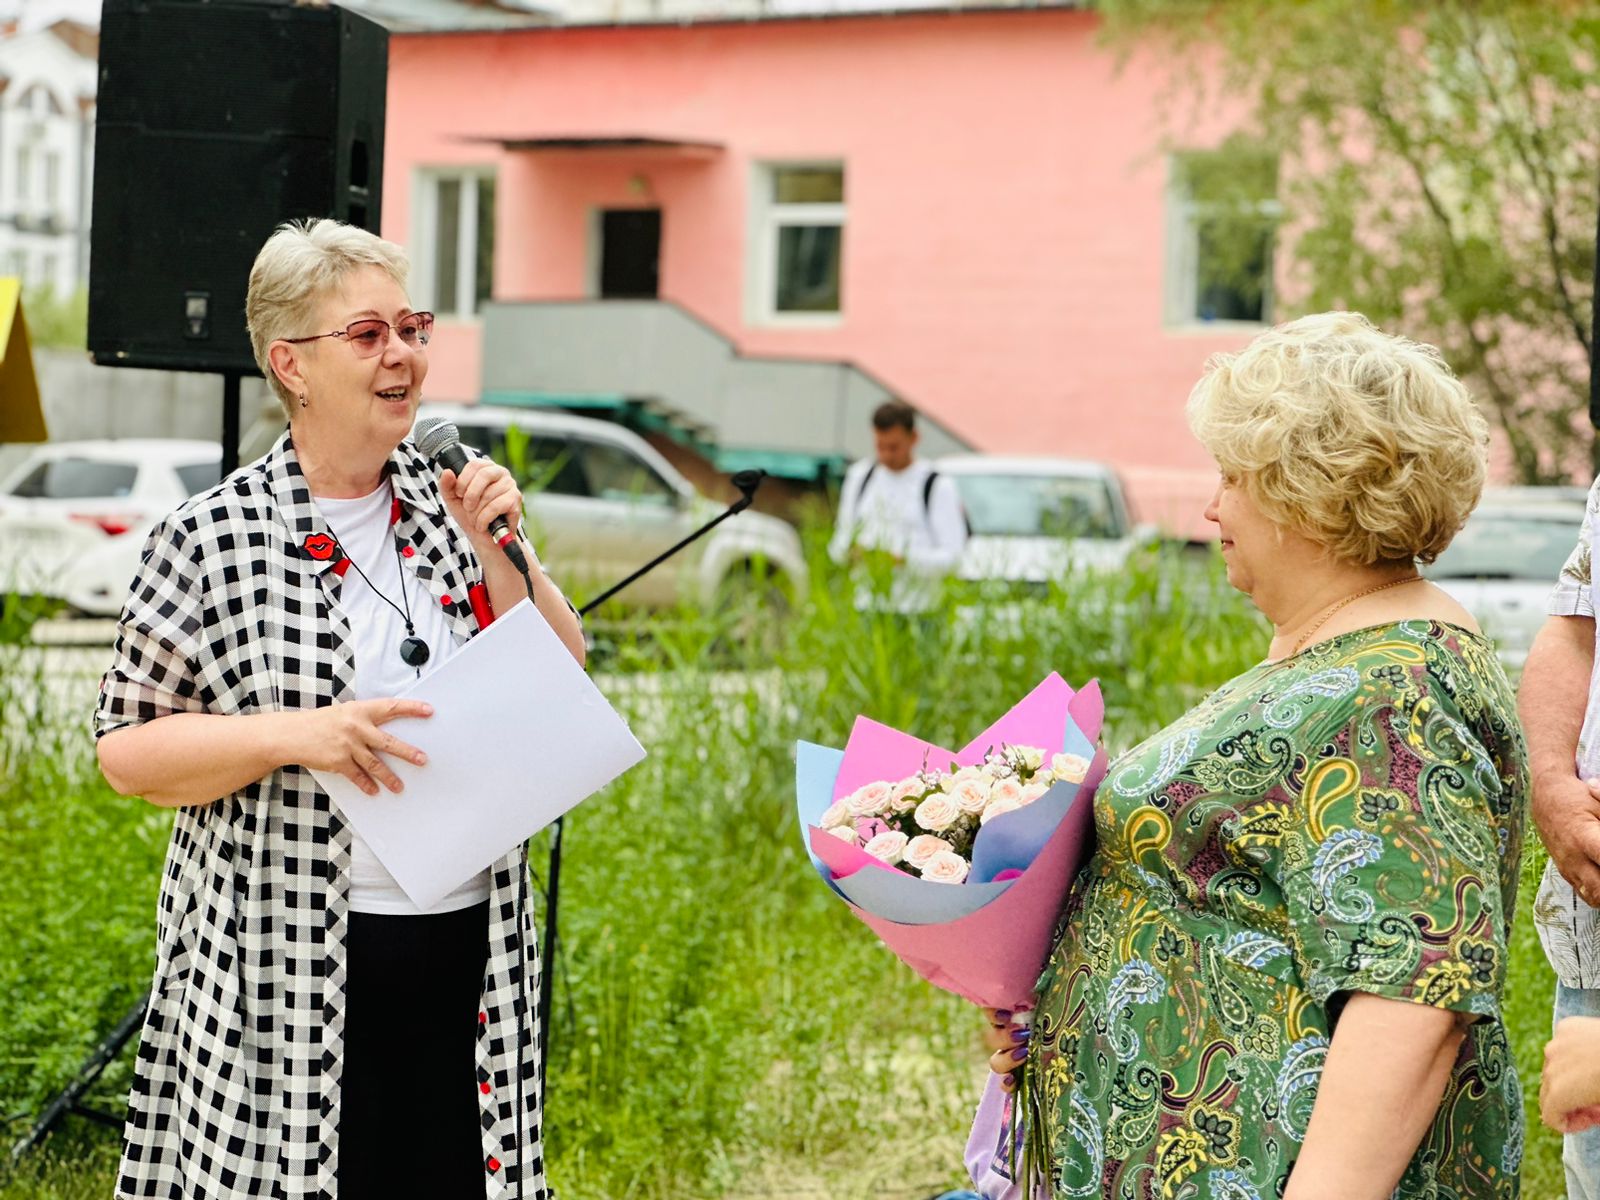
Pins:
x,y
746,482
70,1100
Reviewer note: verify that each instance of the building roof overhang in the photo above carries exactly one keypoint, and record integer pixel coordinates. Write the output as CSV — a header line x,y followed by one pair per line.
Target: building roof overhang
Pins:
x,y
624,144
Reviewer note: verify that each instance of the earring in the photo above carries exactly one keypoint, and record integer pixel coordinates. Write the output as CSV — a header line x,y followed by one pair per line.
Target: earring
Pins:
x,y
302,399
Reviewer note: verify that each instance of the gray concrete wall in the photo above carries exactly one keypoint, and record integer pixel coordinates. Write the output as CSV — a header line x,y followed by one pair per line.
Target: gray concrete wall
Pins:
x,y
82,400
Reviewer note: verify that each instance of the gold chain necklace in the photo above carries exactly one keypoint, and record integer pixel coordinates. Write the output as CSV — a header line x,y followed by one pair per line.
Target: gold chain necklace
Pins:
x,y
1337,605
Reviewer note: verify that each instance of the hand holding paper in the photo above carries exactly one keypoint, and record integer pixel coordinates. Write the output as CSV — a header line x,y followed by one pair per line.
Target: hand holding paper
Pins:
x,y
519,736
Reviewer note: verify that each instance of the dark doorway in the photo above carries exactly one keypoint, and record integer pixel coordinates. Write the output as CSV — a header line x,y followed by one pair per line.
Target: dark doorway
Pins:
x,y
630,253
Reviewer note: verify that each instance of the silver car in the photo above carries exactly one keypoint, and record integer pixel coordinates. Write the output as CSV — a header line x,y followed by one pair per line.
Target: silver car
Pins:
x,y
600,502
1502,565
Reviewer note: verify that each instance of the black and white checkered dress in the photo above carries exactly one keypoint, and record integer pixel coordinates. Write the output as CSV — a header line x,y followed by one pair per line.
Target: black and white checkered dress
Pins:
x,y
237,1083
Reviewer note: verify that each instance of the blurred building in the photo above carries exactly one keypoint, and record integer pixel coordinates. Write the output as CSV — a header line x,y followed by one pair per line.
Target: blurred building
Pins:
x,y
741,226
47,89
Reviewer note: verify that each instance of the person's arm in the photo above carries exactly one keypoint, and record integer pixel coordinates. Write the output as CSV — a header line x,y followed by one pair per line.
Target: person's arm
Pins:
x,y
1381,1085
485,490
1551,701
947,525
186,758
844,531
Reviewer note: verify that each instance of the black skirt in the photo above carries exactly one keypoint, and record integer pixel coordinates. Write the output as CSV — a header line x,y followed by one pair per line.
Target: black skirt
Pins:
x,y
409,1106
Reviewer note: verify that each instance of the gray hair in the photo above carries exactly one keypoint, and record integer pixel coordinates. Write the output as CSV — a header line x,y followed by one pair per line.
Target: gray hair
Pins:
x,y
299,264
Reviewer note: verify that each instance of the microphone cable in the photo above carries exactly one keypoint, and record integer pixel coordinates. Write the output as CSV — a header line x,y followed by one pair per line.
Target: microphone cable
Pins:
x,y
523,871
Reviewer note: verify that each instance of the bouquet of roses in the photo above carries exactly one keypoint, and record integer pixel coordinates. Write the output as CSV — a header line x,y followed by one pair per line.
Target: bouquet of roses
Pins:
x,y
927,824
1009,822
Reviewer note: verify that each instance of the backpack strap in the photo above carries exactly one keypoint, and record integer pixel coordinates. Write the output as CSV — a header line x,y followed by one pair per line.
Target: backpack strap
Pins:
x,y
862,490
927,504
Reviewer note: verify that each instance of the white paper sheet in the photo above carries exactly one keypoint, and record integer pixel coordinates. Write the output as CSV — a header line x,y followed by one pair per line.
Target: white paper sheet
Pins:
x,y
519,735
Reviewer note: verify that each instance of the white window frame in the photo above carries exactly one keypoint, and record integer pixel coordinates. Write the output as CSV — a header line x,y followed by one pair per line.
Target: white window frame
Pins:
x,y
424,221
1181,289
766,218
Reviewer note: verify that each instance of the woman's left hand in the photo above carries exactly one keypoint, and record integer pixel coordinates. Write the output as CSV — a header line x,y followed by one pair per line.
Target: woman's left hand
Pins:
x,y
482,492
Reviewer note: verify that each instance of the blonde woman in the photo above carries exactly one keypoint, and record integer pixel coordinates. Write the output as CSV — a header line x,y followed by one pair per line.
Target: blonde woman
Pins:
x,y
311,1032
1281,973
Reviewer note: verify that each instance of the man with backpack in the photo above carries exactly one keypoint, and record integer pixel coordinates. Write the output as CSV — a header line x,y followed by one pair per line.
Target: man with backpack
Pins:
x,y
900,507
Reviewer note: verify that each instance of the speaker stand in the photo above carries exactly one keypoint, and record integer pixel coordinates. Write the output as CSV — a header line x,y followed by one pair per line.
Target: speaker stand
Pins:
x,y
230,422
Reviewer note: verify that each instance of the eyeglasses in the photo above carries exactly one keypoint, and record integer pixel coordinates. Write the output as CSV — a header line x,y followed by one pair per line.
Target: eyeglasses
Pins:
x,y
371,336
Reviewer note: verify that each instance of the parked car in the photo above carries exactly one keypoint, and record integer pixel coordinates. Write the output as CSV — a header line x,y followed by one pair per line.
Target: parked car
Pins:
x,y
1504,562
67,500
601,502
1033,520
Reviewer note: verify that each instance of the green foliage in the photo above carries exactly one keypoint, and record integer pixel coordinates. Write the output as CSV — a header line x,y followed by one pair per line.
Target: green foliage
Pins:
x,y
55,320
723,1027
1438,172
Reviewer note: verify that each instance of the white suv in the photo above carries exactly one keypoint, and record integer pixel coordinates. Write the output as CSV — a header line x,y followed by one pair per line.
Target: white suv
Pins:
x,y
601,502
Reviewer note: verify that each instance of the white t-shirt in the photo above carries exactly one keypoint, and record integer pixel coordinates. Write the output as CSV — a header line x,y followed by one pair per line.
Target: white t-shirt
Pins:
x,y
888,512
363,530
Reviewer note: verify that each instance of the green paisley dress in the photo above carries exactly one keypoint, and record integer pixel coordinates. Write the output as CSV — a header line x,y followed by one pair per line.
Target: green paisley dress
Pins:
x,y
1345,820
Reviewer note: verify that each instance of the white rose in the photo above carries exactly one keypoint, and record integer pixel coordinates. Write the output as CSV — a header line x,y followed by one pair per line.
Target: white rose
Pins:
x,y
904,796
967,773
937,813
946,867
1031,757
870,800
845,834
968,795
1031,793
1072,768
1008,790
999,808
923,847
889,846
838,814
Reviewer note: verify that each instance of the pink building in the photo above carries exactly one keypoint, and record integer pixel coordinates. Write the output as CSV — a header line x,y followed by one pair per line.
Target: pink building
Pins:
x,y
746,233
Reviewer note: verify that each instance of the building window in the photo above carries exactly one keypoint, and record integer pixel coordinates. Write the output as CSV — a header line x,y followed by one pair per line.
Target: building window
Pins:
x,y
798,251
455,236
52,179
24,171
1222,226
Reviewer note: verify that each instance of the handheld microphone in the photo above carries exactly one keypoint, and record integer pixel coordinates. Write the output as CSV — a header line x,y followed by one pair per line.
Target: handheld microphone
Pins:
x,y
441,441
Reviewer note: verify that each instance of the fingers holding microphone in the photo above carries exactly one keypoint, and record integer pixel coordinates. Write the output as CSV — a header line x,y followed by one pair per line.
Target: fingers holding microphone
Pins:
x,y
480,494
349,739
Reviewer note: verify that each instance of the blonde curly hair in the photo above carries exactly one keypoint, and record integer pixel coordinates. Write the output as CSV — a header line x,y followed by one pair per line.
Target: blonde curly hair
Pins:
x,y
1364,442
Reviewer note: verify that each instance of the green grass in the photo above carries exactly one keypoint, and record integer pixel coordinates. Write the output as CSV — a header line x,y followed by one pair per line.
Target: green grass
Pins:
x,y
723,1027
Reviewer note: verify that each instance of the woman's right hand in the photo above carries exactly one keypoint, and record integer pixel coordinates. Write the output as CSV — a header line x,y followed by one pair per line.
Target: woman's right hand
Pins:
x,y
1007,1037
348,739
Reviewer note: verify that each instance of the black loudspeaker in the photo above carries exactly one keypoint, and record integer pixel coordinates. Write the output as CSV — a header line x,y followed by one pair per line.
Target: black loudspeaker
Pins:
x,y
216,122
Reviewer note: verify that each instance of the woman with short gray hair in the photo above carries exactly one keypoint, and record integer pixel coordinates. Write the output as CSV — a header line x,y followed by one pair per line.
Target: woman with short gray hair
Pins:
x,y
311,1031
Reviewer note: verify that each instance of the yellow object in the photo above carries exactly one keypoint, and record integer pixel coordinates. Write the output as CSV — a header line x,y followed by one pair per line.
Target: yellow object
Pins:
x,y
21,417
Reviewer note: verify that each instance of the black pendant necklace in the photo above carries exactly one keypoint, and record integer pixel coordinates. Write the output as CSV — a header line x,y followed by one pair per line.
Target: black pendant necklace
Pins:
x,y
413,650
